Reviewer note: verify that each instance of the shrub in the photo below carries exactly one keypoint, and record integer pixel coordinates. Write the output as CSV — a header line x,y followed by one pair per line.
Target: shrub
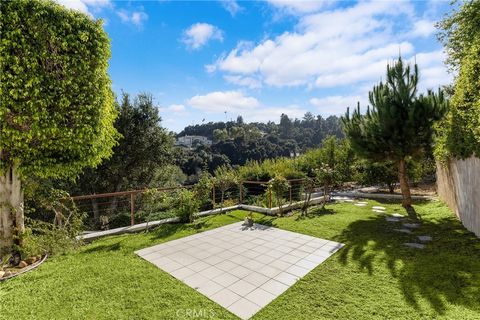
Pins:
x,y
225,178
187,205
52,222
203,190
278,186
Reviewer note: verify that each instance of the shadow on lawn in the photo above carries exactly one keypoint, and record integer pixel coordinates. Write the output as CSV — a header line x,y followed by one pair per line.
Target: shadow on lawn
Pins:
x,y
106,247
315,212
447,270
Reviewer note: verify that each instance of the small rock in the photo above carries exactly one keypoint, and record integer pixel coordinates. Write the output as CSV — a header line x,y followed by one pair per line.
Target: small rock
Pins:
x,y
7,274
397,215
403,230
379,208
411,225
31,260
22,264
424,238
360,204
390,219
414,245
14,259
378,211
2,273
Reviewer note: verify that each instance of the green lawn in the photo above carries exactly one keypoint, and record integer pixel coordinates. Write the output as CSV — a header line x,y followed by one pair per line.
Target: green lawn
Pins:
x,y
372,277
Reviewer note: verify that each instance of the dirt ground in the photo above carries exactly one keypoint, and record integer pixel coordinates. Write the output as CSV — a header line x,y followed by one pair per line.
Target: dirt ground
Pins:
x,y
422,189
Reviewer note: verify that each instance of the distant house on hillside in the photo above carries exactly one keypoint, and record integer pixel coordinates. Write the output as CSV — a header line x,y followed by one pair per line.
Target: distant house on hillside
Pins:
x,y
191,141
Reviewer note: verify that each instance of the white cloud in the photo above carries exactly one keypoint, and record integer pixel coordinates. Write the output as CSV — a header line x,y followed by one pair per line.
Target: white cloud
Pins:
x,y
221,101
423,28
174,109
237,103
231,6
249,82
299,6
134,17
198,34
432,74
337,105
85,5
341,47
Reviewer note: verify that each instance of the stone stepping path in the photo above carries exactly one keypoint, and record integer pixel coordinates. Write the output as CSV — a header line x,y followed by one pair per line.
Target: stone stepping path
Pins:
x,y
404,230
414,245
360,204
390,219
425,238
411,225
407,228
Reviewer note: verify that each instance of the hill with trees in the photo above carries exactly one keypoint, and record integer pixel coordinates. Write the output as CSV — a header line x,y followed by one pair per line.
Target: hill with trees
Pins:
x,y
236,142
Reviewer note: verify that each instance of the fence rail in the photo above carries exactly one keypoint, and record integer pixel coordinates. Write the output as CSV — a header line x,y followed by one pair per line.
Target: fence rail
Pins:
x,y
119,209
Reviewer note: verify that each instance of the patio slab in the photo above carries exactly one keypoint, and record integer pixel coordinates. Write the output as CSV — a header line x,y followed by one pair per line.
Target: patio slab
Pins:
x,y
242,269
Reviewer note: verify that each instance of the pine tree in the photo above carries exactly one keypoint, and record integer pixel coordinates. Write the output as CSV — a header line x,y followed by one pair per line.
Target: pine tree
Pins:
x,y
399,124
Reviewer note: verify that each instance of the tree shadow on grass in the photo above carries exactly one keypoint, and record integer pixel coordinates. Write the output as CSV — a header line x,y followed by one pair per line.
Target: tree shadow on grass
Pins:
x,y
266,221
447,270
106,247
315,212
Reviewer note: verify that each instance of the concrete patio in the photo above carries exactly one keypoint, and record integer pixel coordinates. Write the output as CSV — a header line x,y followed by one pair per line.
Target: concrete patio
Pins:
x,y
242,269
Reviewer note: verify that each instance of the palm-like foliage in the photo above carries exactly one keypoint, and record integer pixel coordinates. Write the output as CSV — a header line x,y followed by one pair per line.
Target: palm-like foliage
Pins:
x,y
399,123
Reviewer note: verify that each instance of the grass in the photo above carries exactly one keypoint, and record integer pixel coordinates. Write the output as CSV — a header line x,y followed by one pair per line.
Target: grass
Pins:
x,y
372,277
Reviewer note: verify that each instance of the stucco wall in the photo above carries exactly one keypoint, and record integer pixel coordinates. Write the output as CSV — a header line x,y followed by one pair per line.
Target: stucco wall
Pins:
x,y
458,185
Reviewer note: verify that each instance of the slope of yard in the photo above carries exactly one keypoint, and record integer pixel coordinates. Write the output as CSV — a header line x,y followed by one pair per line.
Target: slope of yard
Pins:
x,y
373,277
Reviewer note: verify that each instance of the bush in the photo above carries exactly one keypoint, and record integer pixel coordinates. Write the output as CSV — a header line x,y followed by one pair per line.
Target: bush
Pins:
x,y
278,186
187,205
52,222
203,189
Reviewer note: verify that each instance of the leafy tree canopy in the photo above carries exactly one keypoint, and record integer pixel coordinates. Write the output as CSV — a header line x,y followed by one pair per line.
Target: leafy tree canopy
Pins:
x,y
57,107
143,150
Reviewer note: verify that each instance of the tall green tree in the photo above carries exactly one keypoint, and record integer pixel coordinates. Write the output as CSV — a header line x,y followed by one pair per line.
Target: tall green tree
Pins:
x,y
144,148
57,108
399,124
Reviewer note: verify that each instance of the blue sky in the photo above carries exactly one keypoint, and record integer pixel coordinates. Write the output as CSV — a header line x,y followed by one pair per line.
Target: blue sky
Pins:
x,y
201,59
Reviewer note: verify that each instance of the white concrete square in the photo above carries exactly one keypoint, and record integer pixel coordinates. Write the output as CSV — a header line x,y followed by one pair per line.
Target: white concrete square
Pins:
x,y
242,269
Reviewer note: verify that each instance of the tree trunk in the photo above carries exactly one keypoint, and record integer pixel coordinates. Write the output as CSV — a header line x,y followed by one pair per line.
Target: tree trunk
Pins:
x,y
325,192
391,188
402,175
11,210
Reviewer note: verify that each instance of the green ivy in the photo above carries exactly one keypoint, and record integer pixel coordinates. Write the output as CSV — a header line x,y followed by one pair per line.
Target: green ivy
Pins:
x,y
57,107
458,135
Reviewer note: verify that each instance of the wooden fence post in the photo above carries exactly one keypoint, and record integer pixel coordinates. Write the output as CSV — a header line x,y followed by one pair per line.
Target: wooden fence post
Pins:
x,y
213,196
132,209
270,199
241,191
290,191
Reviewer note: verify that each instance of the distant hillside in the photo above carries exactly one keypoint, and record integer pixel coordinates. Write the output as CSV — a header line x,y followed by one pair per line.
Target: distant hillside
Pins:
x,y
236,142
307,132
